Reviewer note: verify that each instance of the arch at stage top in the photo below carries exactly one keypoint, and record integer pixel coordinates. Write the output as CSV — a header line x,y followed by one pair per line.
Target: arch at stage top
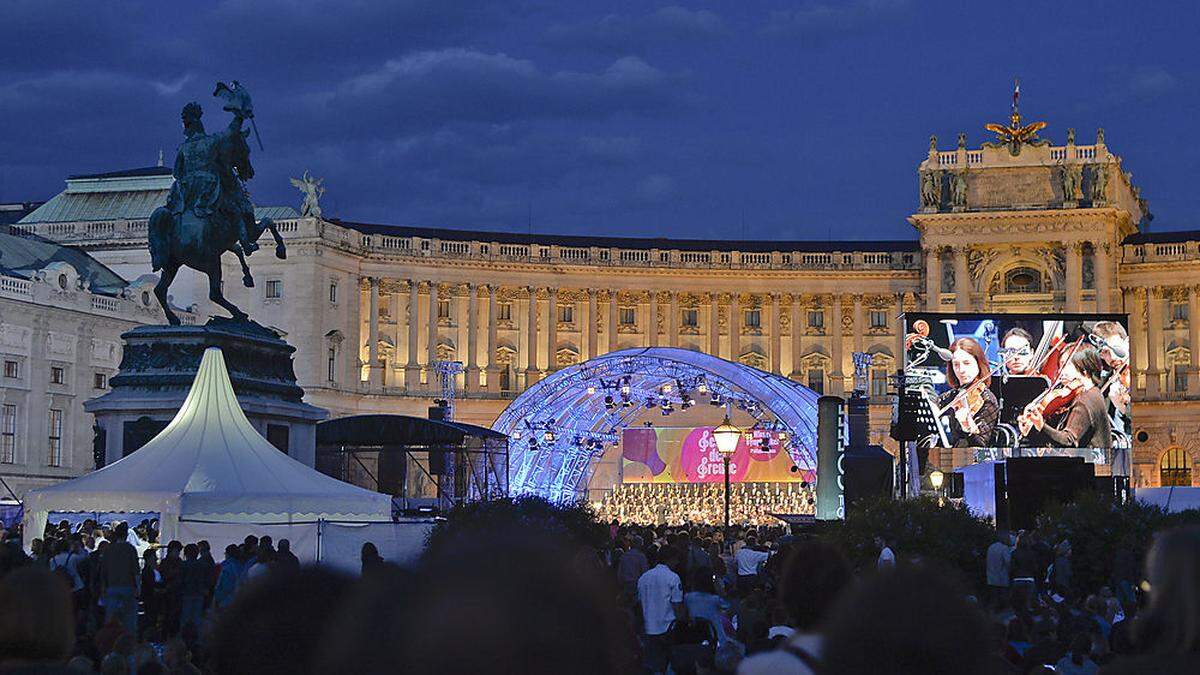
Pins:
x,y
560,426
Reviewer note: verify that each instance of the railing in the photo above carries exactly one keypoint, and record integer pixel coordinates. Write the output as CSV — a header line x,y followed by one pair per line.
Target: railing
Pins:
x,y
514,250
15,286
1058,153
974,157
947,158
1170,249
877,258
567,253
756,258
456,247
694,257
635,256
103,304
816,259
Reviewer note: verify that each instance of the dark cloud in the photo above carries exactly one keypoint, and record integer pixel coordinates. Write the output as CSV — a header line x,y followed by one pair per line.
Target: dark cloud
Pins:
x,y
619,33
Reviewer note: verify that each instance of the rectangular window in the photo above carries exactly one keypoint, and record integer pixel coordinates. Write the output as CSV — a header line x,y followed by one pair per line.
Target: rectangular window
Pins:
x,y
331,365
690,318
628,316
816,380
816,319
879,382
12,369
58,375
1181,377
753,318
274,288
333,291
566,314
443,309
506,379
100,381
1179,311
54,424
878,319
504,311
8,434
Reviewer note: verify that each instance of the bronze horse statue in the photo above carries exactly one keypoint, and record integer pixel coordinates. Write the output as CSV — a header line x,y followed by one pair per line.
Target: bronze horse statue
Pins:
x,y
209,211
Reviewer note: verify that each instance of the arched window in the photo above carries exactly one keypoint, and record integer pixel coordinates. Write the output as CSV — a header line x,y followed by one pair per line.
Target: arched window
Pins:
x,y
1022,280
1175,468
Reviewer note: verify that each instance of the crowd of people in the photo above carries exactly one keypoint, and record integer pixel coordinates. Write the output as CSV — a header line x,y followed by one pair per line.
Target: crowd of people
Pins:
x,y
648,599
704,503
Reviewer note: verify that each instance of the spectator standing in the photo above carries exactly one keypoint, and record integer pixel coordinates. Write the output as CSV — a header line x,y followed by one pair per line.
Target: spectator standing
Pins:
x,y
120,577
999,557
286,562
151,591
887,557
632,566
193,586
748,558
228,578
660,593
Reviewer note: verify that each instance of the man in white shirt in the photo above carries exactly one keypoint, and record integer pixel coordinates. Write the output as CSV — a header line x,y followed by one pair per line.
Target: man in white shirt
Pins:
x,y
660,593
748,559
999,557
887,557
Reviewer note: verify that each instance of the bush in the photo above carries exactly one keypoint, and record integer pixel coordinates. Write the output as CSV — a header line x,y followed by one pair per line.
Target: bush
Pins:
x,y
569,523
915,528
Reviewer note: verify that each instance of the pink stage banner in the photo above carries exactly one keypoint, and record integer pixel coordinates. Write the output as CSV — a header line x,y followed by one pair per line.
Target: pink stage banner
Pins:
x,y
689,455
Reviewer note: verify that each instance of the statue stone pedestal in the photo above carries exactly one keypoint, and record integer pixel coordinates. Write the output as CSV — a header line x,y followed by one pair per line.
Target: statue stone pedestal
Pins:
x,y
157,369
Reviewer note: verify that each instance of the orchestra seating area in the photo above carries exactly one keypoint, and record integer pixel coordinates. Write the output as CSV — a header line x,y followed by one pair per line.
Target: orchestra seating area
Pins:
x,y
704,503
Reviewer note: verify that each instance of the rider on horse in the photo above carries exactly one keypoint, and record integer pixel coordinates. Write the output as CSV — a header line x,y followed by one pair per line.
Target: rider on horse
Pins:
x,y
209,170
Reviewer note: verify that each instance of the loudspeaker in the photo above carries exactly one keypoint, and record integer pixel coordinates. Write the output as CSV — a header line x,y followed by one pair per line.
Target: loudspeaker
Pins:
x,y
1032,482
392,470
868,472
437,462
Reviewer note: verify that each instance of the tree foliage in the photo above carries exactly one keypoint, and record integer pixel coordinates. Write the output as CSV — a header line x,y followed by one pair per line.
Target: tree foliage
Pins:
x,y
569,523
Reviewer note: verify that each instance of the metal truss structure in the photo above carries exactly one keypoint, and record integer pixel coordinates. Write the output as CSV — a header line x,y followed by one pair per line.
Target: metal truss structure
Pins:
x,y
560,426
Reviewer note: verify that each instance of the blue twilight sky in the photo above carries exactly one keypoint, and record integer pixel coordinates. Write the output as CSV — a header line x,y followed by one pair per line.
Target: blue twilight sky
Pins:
x,y
741,120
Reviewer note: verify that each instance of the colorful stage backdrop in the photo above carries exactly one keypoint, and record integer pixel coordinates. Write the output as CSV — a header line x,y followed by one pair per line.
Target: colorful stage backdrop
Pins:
x,y
689,455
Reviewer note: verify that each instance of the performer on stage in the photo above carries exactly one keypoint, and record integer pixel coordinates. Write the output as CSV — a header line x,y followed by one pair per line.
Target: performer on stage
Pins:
x,y
1085,423
969,408
1017,348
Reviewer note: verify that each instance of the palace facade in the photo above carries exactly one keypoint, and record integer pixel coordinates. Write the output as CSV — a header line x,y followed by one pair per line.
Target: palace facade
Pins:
x,y
1019,225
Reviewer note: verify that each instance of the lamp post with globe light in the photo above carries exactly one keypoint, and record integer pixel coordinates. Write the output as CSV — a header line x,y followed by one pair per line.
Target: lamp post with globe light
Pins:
x,y
937,479
726,435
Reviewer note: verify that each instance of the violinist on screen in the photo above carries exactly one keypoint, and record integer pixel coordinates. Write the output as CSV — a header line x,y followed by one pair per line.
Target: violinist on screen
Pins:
x,y
1085,423
969,407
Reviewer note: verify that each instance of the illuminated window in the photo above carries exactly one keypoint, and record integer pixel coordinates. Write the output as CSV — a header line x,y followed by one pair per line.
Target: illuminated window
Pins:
x,y
1175,469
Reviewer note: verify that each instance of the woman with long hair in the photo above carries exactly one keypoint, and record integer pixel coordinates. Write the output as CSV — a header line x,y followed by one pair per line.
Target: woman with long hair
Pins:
x,y
969,366
1086,423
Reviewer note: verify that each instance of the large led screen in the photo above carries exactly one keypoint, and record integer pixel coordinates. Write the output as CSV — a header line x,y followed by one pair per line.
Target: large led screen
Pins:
x,y
1014,381
689,455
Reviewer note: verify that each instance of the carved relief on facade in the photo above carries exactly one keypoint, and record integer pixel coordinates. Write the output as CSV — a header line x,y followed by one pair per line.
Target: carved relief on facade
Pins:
x,y
505,355
566,356
755,360
60,346
978,261
785,322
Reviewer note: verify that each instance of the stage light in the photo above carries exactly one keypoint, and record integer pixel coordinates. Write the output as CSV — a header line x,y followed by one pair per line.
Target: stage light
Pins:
x,y
625,390
666,388
591,389
548,436
702,387
516,434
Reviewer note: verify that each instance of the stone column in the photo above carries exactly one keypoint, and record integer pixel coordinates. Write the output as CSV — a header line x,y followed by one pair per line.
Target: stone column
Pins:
x,y
412,370
797,331
612,321
431,343
898,328
592,344
1074,272
962,279
374,371
859,326
531,320
1137,332
933,278
735,327
1194,340
837,377
1154,346
652,324
1102,268
552,332
673,321
714,328
776,336
472,377
493,369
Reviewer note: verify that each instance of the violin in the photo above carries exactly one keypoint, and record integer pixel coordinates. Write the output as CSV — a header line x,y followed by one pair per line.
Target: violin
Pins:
x,y
1060,395
969,398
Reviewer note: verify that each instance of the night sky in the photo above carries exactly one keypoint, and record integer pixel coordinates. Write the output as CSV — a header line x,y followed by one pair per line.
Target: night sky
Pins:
x,y
782,120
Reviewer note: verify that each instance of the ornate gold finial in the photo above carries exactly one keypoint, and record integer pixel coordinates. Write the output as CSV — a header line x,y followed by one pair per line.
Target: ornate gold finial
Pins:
x,y
1014,135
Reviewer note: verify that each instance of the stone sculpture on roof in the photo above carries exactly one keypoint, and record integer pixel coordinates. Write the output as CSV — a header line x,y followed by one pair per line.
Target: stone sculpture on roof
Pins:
x,y
312,189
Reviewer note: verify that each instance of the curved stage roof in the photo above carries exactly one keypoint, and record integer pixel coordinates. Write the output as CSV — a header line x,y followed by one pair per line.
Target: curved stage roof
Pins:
x,y
557,465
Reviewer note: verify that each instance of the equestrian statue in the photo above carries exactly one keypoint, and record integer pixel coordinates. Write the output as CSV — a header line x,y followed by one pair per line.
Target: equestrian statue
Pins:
x,y
208,211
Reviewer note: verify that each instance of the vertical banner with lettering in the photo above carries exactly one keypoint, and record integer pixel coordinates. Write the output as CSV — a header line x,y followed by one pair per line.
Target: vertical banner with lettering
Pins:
x,y
831,492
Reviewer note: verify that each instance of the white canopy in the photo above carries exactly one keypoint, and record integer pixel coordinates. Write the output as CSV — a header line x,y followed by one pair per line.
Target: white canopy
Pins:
x,y
209,465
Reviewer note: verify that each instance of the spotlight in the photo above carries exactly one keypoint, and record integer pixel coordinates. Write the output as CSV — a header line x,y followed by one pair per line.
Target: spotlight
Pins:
x,y
548,436
625,390
702,387
516,434
591,389
666,388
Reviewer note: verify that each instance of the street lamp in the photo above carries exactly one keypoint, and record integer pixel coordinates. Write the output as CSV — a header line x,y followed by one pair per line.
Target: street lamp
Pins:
x,y
936,479
726,435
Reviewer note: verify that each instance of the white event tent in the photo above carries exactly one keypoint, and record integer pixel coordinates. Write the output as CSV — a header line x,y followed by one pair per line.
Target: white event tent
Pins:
x,y
210,475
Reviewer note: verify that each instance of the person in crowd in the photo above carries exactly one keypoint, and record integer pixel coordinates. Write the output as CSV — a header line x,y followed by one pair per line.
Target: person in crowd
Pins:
x,y
1167,631
748,559
229,577
905,620
120,578
999,557
633,565
170,568
262,562
814,574
193,587
969,376
286,562
1062,574
150,593
372,562
1077,660
660,594
702,602
66,564
887,556
37,625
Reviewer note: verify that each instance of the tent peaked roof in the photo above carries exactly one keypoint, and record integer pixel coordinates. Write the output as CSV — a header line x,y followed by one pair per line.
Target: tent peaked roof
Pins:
x,y
210,462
